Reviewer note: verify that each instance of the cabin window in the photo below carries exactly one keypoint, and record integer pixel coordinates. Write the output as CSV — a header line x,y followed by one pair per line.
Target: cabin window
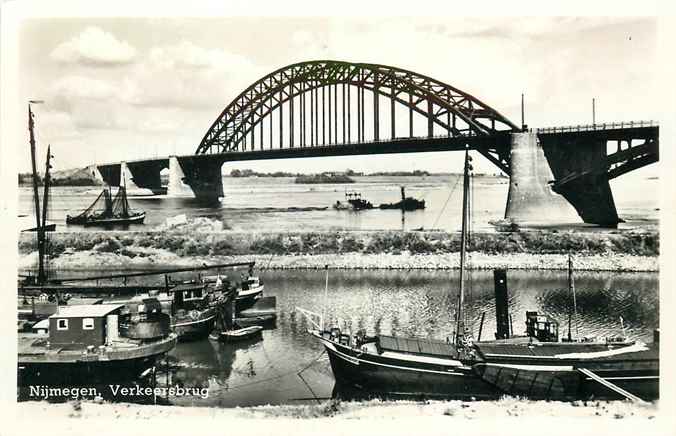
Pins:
x,y
188,294
62,324
88,324
198,293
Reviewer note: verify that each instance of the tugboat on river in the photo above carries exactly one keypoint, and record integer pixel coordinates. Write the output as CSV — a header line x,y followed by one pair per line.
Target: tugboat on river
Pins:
x,y
354,202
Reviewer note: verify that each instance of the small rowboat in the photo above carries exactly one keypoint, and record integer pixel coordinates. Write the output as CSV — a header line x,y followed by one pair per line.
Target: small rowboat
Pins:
x,y
259,320
237,335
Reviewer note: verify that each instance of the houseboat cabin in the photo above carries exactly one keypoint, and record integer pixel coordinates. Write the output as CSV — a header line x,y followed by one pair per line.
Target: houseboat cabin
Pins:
x,y
84,325
188,293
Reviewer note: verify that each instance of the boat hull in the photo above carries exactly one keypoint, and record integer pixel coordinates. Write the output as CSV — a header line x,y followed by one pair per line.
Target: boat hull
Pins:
x,y
240,334
246,299
417,375
268,320
82,368
189,329
135,219
382,376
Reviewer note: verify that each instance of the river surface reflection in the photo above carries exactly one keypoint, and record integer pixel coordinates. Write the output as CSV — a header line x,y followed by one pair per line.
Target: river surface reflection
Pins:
x,y
411,303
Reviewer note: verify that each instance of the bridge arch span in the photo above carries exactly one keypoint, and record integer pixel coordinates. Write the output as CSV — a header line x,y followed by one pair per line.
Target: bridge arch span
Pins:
x,y
297,96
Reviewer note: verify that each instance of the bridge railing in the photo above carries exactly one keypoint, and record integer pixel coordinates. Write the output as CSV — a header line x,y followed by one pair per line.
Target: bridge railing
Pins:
x,y
597,126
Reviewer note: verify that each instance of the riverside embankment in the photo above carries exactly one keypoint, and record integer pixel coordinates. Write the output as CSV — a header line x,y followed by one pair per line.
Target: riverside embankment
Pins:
x,y
593,251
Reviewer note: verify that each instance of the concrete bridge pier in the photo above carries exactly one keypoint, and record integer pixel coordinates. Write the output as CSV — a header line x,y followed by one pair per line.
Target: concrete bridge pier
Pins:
x,y
128,180
531,199
580,167
144,176
195,176
95,174
556,181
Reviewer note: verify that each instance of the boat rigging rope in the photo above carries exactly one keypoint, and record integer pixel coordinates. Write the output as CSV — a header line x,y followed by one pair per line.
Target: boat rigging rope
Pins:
x,y
446,202
278,376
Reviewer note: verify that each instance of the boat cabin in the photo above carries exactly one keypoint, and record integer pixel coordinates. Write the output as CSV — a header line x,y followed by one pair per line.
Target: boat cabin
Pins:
x,y
251,282
84,325
188,292
542,327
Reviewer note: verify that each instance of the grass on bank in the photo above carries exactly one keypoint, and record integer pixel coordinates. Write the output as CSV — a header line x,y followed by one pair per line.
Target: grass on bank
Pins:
x,y
337,242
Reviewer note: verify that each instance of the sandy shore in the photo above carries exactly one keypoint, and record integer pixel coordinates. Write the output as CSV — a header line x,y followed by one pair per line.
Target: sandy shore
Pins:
x,y
371,417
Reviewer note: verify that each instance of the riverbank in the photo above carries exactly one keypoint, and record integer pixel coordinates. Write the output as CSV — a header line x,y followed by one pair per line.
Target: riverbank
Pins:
x,y
372,417
593,251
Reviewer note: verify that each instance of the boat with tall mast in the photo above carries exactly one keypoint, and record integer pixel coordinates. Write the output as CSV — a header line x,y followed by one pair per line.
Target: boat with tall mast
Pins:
x,y
107,210
537,365
85,343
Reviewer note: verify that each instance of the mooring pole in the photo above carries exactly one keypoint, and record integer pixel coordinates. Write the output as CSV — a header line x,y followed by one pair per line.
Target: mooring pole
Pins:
x,y
593,111
326,296
523,120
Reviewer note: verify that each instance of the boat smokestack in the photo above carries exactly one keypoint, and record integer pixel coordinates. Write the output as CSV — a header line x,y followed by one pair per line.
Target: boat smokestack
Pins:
x,y
501,304
403,194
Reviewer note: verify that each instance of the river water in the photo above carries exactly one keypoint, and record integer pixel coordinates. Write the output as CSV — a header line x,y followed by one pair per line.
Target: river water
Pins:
x,y
403,303
408,303
279,204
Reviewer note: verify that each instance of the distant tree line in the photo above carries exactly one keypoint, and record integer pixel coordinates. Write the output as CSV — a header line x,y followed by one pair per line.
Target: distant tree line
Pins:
x,y
350,173
27,179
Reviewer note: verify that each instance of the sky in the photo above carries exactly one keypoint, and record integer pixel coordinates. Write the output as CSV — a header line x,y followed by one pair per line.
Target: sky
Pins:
x,y
129,88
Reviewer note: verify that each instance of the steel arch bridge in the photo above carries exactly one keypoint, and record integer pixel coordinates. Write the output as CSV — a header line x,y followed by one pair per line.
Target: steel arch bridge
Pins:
x,y
319,103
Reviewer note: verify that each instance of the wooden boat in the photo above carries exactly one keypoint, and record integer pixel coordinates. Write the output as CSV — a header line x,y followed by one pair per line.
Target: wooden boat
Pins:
x,y
108,211
229,328
250,291
99,343
237,334
539,365
265,320
193,307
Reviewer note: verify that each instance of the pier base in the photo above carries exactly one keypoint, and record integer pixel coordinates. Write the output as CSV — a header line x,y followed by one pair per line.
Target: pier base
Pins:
x,y
195,176
177,186
531,199
128,182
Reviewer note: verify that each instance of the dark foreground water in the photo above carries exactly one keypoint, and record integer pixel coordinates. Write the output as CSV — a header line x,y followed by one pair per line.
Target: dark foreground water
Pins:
x,y
413,303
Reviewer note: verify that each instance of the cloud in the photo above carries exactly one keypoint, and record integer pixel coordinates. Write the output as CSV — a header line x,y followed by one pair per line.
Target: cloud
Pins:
x,y
185,75
188,55
94,47
82,87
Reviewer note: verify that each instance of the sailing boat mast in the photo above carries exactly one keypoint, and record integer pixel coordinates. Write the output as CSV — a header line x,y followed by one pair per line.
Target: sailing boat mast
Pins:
x,y
460,322
39,224
36,196
42,231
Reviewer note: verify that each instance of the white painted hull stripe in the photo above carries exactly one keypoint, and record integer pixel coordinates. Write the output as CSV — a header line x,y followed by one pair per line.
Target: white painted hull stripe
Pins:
x,y
183,324
352,360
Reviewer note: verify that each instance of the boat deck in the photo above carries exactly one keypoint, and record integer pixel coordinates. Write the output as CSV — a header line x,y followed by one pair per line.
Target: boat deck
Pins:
x,y
418,346
566,350
32,348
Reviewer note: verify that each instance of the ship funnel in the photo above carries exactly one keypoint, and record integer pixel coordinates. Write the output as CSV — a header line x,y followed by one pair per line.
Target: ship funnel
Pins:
x,y
501,304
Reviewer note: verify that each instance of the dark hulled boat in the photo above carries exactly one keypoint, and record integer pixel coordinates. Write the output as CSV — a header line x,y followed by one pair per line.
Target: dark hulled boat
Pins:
x,y
538,365
354,202
107,210
406,204
90,344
